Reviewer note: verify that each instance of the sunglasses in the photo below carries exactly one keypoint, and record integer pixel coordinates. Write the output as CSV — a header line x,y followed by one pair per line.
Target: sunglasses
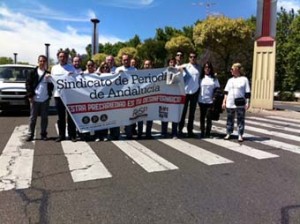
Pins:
x,y
192,56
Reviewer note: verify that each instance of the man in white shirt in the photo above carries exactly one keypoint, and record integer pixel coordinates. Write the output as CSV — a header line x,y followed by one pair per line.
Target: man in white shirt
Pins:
x,y
126,67
191,80
62,69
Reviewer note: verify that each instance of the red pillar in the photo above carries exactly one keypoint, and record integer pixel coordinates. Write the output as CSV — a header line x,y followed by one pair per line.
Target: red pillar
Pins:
x,y
265,39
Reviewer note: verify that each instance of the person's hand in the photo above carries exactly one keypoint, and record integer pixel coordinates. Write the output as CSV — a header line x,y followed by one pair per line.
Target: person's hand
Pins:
x,y
224,105
30,99
247,106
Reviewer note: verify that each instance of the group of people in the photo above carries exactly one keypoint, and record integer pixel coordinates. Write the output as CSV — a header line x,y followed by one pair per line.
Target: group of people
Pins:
x,y
200,84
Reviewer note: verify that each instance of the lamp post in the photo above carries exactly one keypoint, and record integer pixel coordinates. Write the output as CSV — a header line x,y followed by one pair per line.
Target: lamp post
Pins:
x,y
47,53
15,58
95,42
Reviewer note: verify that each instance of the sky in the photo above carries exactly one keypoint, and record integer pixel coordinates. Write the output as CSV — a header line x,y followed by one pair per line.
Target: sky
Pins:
x,y
26,25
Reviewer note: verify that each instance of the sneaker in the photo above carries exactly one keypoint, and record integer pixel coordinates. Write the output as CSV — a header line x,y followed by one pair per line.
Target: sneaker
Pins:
x,y
44,138
227,137
175,137
29,138
240,138
97,140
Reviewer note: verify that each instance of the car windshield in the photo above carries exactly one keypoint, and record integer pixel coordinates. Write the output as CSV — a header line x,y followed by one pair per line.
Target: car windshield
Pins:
x,y
14,74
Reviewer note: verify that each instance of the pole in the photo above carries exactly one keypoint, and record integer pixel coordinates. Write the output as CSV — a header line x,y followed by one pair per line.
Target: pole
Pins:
x,y
95,41
15,58
47,54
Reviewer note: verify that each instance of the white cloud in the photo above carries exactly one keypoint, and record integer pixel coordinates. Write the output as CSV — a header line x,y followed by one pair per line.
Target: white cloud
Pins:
x,y
127,3
27,36
289,4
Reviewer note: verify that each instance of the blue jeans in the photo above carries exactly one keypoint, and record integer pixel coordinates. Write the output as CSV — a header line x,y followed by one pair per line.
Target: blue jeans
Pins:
x,y
240,120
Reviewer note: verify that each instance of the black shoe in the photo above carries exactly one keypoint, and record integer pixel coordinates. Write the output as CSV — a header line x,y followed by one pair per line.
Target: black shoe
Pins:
x,y
29,138
72,138
44,138
134,132
180,134
59,139
191,135
149,137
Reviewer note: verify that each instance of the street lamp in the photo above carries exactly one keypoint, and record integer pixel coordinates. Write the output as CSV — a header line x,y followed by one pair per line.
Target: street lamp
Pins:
x,y
47,53
95,42
15,57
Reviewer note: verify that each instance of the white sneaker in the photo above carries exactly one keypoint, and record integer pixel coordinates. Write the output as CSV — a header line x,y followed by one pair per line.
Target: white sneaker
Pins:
x,y
240,139
227,137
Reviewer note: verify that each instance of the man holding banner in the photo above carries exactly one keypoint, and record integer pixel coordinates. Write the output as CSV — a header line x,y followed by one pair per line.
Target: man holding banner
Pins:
x,y
114,100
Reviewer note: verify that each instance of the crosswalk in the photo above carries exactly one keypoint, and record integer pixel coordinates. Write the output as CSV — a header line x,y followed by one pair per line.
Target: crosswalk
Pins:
x,y
16,159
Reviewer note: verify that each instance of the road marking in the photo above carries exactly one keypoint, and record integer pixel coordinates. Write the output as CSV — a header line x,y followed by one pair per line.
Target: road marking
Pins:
x,y
243,149
16,162
273,126
147,159
195,152
268,142
268,132
284,119
273,121
83,163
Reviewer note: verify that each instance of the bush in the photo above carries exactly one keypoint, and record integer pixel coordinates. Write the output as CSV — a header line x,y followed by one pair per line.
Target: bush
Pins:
x,y
286,96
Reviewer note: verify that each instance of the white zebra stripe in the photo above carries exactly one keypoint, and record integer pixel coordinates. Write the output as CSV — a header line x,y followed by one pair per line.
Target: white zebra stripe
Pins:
x,y
147,159
268,132
83,163
16,162
268,142
285,119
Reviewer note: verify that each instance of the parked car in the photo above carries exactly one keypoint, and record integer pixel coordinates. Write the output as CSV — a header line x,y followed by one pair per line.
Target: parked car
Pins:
x,y
12,86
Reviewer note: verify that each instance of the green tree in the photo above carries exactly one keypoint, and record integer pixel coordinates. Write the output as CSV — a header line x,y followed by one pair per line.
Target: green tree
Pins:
x,y
228,40
6,60
292,79
181,43
134,42
98,58
153,50
284,21
131,51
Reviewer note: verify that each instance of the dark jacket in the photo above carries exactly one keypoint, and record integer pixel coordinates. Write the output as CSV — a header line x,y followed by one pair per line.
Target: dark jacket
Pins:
x,y
32,81
217,104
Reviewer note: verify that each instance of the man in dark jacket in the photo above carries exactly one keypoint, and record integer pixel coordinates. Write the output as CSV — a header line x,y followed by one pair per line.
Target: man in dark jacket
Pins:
x,y
39,91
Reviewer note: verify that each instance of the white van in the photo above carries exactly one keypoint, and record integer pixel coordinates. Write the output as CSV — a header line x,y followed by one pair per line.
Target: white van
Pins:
x,y
12,86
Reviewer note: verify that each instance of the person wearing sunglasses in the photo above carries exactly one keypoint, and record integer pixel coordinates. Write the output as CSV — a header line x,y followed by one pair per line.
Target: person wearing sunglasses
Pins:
x,y
237,87
208,86
191,76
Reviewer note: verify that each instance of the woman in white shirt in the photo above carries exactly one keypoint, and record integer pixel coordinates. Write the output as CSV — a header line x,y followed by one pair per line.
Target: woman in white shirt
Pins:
x,y
208,85
236,87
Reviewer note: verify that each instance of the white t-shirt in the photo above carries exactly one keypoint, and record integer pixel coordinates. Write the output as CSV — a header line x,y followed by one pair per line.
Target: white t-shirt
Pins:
x,y
41,91
236,87
124,69
207,87
192,83
61,70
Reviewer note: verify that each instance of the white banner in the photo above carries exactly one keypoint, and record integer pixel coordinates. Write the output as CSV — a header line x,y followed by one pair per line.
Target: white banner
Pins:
x,y
103,101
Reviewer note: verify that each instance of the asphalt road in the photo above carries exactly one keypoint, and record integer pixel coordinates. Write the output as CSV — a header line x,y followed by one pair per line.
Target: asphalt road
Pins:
x,y
282,105
241,189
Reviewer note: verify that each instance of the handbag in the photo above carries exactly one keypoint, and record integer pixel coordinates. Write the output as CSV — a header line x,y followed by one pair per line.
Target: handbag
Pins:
x,y
241,101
